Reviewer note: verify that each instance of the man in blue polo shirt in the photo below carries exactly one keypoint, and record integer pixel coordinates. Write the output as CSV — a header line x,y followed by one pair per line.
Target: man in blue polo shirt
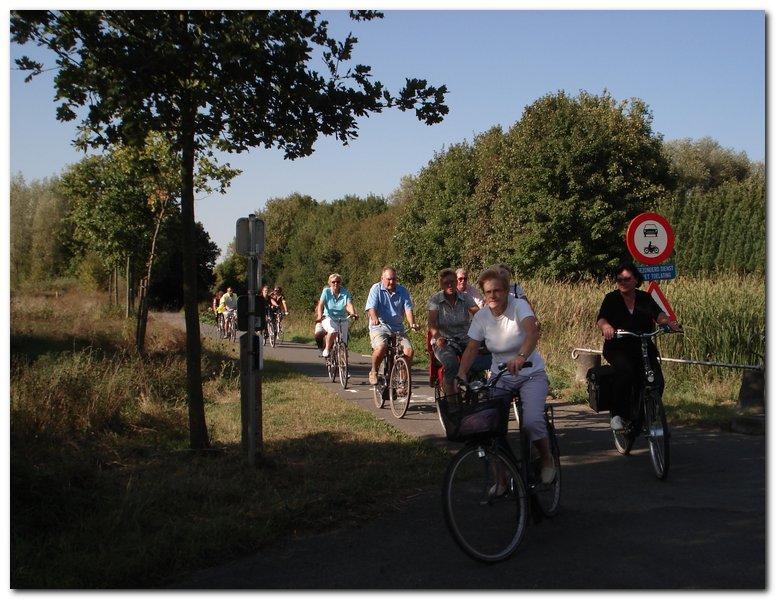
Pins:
x,y
387,304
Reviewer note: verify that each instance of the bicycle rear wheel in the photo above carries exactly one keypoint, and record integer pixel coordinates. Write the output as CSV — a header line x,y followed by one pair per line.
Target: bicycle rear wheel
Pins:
x,y
342,363
657,434
484,503
548,495
400,387
623,440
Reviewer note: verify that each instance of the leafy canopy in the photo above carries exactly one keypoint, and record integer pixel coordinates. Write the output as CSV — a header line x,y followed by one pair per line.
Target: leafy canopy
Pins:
x,y
241,79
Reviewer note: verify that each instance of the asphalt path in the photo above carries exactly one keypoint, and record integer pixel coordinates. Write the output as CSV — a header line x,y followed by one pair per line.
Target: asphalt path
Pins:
x,y
619,527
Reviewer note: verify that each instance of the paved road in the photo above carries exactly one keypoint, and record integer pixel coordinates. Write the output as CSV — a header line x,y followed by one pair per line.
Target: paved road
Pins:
x,y
703,528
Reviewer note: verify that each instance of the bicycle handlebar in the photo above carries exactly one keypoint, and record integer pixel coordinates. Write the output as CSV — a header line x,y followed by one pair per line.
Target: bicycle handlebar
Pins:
x,y
476,386
661,329
414,327
354,317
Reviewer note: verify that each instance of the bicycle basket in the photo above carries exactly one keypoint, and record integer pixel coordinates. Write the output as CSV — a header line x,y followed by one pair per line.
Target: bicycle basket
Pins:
x,y
475,414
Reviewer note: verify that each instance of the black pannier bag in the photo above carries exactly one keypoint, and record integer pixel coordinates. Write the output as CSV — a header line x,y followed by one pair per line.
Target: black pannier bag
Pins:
x,y
600,387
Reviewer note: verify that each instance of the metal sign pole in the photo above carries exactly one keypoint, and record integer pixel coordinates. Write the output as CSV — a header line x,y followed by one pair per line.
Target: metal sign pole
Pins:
x,y
250,241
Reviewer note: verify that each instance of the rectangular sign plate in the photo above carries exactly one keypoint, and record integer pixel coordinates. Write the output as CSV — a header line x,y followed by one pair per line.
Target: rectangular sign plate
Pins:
x,y
657,272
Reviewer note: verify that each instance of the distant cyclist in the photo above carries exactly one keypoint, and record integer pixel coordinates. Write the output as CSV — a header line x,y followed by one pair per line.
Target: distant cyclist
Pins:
x,y
278,301
334,304
216,303
265,300
387,304
463,287
229,303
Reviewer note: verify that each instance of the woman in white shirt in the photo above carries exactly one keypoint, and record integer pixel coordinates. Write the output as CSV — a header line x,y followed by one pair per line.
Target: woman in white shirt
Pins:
x,y
508,327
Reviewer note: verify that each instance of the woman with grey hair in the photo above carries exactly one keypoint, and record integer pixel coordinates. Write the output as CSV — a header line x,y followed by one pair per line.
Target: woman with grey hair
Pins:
x,y
508,327
449,315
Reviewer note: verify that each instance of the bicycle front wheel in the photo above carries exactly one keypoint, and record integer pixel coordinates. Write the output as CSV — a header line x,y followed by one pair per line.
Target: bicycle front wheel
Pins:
x,y
342,363
657,434
484,503
273,334
331,364
400,387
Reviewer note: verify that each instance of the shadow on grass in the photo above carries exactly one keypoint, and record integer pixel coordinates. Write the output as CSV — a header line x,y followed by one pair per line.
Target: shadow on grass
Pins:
x,y
33,347
132,512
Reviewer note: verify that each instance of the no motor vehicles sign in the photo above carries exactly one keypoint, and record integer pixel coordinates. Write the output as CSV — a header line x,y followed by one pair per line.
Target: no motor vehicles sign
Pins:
x,y
650,238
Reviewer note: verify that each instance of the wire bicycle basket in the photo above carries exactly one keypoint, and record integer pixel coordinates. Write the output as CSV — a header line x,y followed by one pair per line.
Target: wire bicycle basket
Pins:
x,y
474,414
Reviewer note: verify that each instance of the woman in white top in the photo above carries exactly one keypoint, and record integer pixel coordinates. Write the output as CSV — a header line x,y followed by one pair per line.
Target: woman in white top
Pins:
x,y
508,327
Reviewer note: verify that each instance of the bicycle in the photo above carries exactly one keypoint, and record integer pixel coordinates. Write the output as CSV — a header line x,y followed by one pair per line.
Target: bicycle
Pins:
x,y
337,361
230,325
394,379
486,489
650,416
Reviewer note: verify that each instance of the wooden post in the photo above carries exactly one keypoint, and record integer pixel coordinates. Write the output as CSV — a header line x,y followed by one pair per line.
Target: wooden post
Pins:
x,y
752,392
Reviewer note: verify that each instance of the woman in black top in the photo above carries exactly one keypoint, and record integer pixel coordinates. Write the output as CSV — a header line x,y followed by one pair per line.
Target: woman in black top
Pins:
x,y
633,310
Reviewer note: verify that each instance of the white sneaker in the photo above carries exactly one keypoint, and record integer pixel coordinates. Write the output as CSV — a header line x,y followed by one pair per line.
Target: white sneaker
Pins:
x,y
617,423
325,353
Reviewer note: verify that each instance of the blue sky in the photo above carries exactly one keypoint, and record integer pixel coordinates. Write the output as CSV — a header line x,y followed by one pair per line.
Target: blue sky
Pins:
x,y
702,73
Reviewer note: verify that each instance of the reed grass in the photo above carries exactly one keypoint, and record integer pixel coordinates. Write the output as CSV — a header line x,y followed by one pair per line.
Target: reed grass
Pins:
x,y
723,317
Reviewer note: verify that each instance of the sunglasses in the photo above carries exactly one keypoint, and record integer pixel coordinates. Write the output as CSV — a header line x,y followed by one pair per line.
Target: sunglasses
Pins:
x,y
624,279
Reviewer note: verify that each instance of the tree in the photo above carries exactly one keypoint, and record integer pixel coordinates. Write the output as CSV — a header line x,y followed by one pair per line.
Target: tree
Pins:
x,y
50,234
226,80
233,270
704,164
165,289
577,170
22,206
120,199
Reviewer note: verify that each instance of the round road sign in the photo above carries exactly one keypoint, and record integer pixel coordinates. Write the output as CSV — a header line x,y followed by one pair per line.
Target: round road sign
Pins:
x,y
650,238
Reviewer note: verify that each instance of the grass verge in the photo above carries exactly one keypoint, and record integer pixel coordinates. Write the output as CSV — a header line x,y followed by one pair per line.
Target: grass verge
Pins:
x,y
105,493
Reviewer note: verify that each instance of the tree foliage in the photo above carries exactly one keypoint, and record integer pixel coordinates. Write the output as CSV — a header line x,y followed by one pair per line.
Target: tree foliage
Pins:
x,y
227,80
307,240
551,197
41,239
704,164
721,229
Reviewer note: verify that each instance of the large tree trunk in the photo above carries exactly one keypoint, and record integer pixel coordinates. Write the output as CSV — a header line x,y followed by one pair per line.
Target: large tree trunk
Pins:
x,y
197,425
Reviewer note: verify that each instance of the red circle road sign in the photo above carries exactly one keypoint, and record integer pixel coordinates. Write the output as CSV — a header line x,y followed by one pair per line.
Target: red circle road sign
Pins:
x,y
650,238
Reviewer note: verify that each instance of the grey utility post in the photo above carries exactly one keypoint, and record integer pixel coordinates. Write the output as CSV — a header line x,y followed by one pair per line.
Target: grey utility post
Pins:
x,y
250,242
